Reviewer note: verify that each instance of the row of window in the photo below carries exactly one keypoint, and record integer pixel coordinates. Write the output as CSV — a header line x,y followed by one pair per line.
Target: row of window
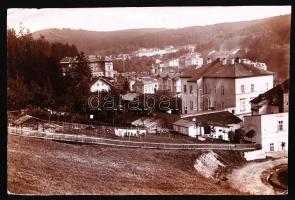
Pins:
x,y
252,88
207,91
272,146
191,106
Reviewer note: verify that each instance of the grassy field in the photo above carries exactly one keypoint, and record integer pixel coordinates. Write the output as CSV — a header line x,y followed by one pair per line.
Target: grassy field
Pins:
x,y
38,166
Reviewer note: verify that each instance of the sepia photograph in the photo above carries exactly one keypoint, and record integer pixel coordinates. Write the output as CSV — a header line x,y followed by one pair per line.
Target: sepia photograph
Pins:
x,y
180,100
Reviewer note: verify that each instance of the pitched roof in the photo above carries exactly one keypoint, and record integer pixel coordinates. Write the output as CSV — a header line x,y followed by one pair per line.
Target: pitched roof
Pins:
x,y
279,90
24,118
216,118
217,70
102,79
184,123
236,70
168,75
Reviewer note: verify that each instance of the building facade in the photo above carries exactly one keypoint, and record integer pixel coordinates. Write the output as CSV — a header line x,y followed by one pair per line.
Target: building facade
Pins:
x,y
99,85
145,86
223,85
270,119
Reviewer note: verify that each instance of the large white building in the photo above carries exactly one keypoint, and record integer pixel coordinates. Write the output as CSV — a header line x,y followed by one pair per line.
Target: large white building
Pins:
x,y
223,85
270,119
155,51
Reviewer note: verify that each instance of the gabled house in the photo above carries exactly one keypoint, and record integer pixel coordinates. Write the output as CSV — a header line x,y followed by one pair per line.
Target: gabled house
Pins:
x,y
100,67
100,84
223,85
270,119
215,125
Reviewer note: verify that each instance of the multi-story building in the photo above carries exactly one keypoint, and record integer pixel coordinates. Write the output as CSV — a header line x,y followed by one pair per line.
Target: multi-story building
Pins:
x,y
155,51
269,119
169,82
145,86
222,85
193,59
99,66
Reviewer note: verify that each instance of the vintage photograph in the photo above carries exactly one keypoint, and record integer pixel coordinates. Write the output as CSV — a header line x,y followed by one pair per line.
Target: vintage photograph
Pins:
x,y
148,100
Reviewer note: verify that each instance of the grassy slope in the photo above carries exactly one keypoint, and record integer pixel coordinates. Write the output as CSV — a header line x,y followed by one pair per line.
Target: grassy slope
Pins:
x,y
46,167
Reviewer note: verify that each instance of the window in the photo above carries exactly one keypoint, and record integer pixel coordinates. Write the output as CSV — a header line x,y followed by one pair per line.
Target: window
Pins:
x,y
222,105
205,89
190,89
191,105
242,105
271,147
280,126
233,111
242,89
185,110
252,87
222,90
184,88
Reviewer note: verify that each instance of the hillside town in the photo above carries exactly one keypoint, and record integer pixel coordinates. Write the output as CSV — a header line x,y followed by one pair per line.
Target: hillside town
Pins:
x,y
218,98
139,113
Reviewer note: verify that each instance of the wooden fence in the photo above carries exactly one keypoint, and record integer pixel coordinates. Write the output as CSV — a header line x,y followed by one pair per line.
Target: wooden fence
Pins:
x,y
121,143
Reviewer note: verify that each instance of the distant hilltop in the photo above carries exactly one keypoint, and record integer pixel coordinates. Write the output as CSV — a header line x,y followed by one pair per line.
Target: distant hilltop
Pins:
x,y
266,40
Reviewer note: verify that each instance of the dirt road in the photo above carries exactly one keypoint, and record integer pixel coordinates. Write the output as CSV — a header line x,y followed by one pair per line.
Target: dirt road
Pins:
x,y
248,177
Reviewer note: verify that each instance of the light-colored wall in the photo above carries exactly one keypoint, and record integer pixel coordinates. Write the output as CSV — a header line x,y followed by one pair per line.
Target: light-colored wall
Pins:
x,y
270,132
259,88
109,72
99,86
266,129
149,88
190,131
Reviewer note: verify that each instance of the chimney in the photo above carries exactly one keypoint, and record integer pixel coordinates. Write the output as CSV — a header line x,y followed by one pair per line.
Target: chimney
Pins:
x,y
224,61
232,61
208,60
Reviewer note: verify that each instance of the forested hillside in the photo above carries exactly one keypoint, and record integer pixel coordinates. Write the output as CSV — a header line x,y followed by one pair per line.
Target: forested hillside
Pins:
x,y
266,40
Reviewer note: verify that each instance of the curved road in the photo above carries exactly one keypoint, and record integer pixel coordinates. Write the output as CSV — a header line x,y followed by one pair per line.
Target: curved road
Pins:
x,y
248,177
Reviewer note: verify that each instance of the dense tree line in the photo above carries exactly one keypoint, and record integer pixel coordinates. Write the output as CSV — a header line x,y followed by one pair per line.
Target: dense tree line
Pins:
x,y
35,78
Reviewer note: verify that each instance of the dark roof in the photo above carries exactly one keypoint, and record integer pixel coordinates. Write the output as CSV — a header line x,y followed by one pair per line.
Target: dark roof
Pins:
x,y
216,118
102,79
168,75
184,123
278,90
189,72
217,70
24,118
235,70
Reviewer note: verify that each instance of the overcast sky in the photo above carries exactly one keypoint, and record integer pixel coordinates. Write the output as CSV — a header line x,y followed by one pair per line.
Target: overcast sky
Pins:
x,y
109,19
